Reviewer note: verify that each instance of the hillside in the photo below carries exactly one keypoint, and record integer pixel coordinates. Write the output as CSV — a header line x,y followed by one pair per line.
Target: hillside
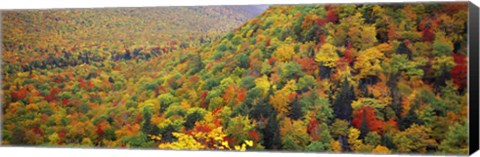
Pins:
x,y
324,78
71,37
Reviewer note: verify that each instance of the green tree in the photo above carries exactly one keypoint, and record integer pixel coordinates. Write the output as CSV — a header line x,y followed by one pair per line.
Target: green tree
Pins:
x,y
414,139
342,107
456,141
339,128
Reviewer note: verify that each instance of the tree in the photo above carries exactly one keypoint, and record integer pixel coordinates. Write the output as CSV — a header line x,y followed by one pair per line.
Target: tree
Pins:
x,y
381,150
263,84
368,62
194,115
210,140
291,70
284,53
456,141
267,124
442,66
353,140
332,16
327,55
308,65
306,83
280,99
409,119
363,37
428,35
441,48
402,49
147,126
372,138
295,112
459,71
342,107
241,60
415,139
336,146
196,64
366,120
239,128
339,128
294,134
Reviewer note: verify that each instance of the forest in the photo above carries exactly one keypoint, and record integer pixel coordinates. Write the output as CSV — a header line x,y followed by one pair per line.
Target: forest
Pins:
x,y
357,78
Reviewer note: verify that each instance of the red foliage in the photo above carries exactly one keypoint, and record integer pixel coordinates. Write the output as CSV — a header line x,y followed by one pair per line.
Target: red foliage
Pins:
x,y
62,134
65,102
347,55
308,65
459,71
391,122
322,39
313,129
202,128
271,60
100,131
392,34
241,96
332,16
203,103
321,22
372,121
216,111
230,140
165,50
20,94
428,35
254,134
37,130
292,96
49,98
90,84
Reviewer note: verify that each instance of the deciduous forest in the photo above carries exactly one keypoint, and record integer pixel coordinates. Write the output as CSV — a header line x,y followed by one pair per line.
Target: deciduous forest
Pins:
x,y
360,78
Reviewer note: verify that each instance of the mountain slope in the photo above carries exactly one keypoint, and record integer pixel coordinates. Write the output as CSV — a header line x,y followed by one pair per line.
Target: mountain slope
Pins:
x,y
100,34
339,78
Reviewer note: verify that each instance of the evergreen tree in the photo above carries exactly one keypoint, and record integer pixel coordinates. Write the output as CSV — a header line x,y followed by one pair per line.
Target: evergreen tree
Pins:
x,y
269,128
295,111
342,107
410,118
364,125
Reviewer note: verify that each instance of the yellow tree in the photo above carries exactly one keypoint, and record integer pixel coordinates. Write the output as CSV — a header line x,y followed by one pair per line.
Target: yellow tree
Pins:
x,y
415,139
368,62
281,99
355,143
327,55
294,134
264,84
381,150
284,53
211,140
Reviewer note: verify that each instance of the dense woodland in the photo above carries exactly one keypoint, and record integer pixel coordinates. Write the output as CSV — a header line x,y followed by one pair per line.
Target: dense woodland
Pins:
x,y
373,78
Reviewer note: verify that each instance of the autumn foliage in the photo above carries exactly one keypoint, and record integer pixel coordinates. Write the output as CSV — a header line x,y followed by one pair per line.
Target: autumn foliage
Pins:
x,y
359,78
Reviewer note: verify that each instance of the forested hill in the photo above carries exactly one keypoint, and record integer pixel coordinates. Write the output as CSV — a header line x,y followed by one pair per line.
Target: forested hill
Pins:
x,y
361,78
338,78
58,38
